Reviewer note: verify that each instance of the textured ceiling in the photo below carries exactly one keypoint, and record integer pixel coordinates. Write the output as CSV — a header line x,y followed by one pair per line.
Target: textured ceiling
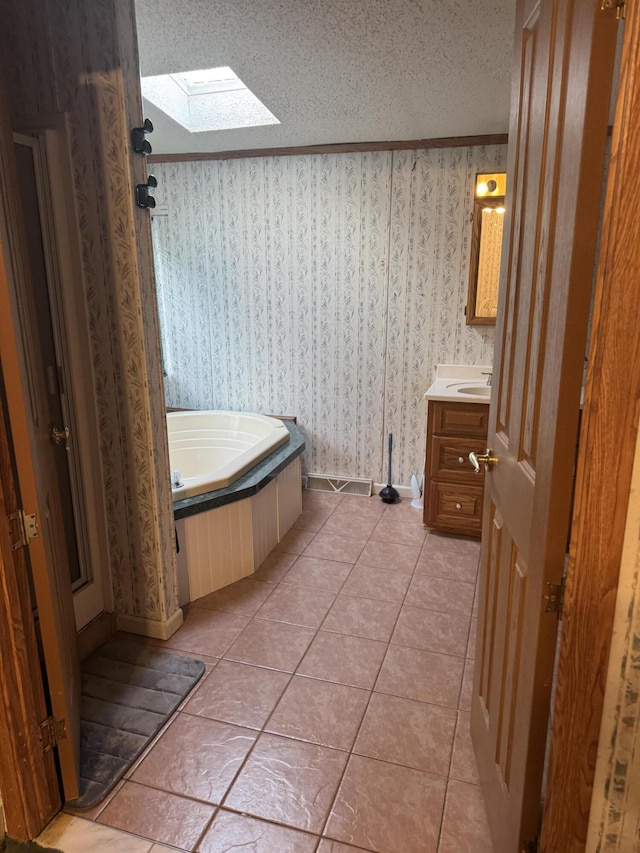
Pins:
x,y
337,70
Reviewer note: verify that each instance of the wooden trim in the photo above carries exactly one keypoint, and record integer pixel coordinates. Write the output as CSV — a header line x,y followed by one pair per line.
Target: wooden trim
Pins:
x,y
66,280
336,148
96,633
36,485
479,204
605,463
28,780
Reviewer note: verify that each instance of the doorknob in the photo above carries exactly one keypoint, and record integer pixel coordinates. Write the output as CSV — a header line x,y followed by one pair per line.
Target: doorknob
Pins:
x,y
60,436
487,459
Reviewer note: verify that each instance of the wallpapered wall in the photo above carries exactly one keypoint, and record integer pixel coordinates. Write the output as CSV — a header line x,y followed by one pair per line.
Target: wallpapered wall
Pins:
x,y
62,57
322,286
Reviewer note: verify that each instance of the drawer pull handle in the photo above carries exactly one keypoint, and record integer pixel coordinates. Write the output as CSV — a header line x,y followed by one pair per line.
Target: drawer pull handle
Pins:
x,y
487,459
461,460
458,506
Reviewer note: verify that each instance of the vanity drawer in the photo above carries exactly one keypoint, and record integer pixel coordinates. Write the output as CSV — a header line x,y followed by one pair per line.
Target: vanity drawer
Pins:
x,y
456,507
460,419
449,459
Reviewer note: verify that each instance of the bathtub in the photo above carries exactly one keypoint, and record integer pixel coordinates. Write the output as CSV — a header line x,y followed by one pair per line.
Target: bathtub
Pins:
x,y
212,449
224,533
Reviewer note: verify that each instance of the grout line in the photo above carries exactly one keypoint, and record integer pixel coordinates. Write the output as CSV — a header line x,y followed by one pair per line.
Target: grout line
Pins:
x,y
349,752
355,740
293,674
444,808
207,827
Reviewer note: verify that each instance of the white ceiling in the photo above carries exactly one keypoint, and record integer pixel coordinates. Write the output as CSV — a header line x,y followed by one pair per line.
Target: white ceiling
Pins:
x,y
337,70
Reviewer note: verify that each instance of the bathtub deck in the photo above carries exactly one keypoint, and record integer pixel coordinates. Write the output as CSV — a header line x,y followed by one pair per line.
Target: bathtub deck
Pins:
x,y
248,484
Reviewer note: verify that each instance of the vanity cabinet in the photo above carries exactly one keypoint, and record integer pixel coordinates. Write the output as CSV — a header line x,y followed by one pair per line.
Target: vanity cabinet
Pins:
x,y
453,493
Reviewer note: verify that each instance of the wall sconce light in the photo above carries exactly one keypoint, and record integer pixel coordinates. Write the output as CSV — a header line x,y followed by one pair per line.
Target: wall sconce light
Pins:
x,y
490,185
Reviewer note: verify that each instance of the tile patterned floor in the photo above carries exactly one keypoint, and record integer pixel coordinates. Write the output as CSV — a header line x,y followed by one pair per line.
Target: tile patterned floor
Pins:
x,y
334,714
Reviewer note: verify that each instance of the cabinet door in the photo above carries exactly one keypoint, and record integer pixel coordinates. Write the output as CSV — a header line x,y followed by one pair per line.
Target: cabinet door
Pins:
x,y
449,459
455,507
461,419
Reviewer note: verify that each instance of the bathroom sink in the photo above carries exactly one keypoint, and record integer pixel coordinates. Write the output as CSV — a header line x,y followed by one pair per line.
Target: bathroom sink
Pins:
x,y
476,390
464,383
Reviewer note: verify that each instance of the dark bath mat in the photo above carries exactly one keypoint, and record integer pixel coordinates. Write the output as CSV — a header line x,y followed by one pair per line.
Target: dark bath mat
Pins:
x,y
128,692
10,845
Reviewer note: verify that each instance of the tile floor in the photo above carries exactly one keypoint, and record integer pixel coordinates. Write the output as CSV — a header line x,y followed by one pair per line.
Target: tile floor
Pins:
x,y
334,713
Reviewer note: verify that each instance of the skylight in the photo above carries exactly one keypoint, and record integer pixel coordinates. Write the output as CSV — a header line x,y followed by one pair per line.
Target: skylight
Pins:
x,y
208,99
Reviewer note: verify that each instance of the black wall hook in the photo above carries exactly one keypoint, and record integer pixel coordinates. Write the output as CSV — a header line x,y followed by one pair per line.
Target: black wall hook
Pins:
x,y
140,144
143,199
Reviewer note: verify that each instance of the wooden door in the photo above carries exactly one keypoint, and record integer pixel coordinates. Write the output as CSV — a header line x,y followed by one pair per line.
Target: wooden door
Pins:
x,y
52,237
25,149
35,465
601,525
560,101
28,778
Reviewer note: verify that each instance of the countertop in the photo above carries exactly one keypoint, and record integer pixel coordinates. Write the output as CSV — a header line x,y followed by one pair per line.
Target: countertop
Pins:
x,y
451,377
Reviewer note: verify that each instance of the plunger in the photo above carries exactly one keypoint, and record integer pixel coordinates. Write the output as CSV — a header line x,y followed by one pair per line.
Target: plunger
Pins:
x,y
388,494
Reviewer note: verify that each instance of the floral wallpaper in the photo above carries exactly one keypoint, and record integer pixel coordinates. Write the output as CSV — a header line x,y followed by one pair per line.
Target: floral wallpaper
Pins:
x,y
322,286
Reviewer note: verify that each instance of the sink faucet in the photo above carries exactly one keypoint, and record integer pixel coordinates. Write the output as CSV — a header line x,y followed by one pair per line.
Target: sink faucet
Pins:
x,y
488,375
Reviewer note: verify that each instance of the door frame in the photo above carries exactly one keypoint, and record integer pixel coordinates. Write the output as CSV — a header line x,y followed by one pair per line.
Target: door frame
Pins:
x,y
28,778
70,319
29,782
52,592
605,464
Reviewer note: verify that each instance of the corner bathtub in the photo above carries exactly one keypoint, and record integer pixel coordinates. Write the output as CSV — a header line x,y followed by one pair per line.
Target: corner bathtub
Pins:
x,y
212,449
241,493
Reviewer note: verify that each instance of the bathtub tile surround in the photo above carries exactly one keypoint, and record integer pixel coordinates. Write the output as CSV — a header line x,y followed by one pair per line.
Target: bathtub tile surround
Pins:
x,y
325,286
315,735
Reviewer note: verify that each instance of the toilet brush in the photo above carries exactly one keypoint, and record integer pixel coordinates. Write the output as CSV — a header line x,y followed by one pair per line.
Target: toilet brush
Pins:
x,y
416,493
388,494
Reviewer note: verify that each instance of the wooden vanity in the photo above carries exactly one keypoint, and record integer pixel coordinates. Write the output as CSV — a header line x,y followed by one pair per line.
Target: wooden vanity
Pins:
x,y
453,492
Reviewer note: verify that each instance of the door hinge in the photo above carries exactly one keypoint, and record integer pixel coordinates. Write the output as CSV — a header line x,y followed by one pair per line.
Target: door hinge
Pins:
x,y
51,732
554,597
22,528
619,5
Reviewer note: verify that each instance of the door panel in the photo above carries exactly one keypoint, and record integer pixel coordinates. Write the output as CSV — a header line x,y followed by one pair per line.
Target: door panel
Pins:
x,y
52,234
601,812
36,473
28,778
560,99
24,148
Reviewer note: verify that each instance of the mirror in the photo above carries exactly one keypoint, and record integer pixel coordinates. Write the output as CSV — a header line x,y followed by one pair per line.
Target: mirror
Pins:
x,y
486,248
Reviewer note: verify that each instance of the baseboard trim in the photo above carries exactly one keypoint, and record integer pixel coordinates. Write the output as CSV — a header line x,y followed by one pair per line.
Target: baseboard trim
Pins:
x,y
155,628
403,491
95,634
